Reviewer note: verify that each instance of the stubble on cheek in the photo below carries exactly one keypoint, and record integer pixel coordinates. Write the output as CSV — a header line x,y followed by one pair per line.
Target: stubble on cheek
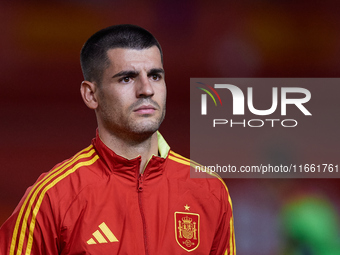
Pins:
x,y
145,123
121,120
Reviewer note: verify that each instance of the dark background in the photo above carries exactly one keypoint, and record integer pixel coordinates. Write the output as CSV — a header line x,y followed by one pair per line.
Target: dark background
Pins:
x,y
44,121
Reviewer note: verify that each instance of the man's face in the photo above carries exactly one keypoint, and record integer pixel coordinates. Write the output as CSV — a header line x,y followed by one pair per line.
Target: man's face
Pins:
x,y
132,95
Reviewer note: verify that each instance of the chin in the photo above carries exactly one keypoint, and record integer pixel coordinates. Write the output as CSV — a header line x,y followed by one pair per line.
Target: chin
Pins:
x,y
145,128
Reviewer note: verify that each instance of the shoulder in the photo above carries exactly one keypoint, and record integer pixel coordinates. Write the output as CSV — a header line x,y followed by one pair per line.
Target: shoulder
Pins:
x,y
185,169
65,180
46,202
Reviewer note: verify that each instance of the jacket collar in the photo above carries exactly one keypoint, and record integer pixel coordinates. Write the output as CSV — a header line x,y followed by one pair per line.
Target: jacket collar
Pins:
x,y
130,167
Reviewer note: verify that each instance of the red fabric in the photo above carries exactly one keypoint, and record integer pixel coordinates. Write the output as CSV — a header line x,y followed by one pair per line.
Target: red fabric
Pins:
x,y
70,203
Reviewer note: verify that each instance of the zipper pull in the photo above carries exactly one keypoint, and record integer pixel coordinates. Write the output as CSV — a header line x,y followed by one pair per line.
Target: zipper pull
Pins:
x,y
140,183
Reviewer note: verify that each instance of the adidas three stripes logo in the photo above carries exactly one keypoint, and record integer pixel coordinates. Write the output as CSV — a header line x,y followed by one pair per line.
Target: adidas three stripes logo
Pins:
x,y
103,236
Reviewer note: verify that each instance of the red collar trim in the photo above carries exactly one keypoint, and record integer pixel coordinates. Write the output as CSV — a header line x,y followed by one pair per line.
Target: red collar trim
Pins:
x,y
127,167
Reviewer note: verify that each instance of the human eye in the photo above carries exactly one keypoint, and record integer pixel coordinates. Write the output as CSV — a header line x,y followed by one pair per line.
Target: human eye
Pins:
x,y
155,77
125,79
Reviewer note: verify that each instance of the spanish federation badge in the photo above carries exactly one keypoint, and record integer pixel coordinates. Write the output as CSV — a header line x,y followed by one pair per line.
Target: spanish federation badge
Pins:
x,y
187,229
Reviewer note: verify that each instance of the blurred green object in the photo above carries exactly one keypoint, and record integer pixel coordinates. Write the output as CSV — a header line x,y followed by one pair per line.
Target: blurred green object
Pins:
x,y
311,227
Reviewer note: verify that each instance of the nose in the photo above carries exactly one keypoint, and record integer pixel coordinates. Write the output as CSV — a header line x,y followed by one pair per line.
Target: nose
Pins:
x,y
144,88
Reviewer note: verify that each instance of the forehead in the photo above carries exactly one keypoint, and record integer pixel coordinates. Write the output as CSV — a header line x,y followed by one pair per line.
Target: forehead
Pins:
x,y
122,58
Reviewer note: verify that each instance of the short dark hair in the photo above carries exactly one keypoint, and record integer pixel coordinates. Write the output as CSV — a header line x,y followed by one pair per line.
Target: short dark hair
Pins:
x,y
93,56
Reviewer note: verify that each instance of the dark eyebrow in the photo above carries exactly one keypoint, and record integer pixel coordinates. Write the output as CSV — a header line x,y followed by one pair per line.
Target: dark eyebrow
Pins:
x,y
125,73
135,73
156,71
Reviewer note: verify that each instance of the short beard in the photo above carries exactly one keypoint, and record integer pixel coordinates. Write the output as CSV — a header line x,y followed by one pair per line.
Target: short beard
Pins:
x,y
137,133
134,132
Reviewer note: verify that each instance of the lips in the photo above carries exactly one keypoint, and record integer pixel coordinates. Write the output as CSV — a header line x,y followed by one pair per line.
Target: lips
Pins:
x,y
145,109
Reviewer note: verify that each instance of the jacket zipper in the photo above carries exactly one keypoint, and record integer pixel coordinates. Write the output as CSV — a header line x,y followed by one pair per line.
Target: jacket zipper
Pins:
x,y
140,190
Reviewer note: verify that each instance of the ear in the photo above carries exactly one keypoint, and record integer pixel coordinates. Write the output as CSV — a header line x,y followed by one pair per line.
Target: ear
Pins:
x,y
88,93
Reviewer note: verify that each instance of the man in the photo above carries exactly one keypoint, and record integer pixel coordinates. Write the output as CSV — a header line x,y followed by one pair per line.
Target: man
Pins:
x,y
127,193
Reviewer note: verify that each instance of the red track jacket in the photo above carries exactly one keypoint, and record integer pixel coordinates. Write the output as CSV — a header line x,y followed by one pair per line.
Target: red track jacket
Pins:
x,y
98,203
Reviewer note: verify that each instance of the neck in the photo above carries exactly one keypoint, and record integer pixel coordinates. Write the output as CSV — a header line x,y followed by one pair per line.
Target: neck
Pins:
x,y
131,148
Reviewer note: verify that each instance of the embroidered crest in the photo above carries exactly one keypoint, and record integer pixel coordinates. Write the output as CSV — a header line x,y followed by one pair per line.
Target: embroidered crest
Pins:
x,y
187,229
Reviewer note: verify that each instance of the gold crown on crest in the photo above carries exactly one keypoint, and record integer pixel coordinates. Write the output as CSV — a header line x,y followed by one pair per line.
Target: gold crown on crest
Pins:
x,y
186,219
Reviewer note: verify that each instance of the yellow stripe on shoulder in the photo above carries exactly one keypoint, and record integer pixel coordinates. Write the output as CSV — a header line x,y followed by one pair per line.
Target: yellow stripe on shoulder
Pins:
x,y
40,199
225,186
184,162
179,158
30,199
178,155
